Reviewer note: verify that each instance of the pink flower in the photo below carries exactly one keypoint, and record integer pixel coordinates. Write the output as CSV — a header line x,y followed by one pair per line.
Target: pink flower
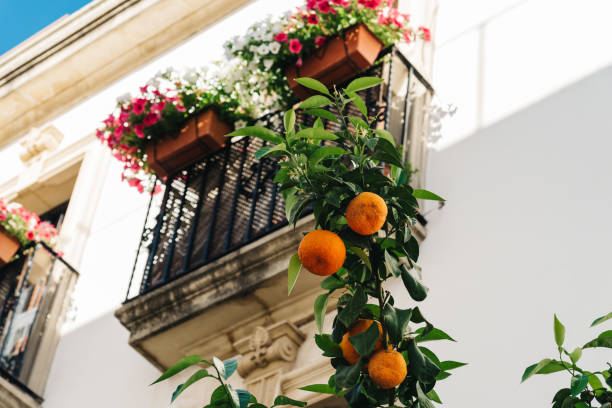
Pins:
x,y
180,107
299,62
295,46
281,37
319,41
324,6
408,36
313,19
425,33
138,128
143,89
150,119
30,235
311,4
342,3
371,4
110,121
2,216
158,107
139,106
118,131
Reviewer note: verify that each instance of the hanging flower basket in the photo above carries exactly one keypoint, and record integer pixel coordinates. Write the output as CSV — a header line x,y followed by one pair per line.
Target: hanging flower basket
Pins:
x,y
338,60
9,246
202,135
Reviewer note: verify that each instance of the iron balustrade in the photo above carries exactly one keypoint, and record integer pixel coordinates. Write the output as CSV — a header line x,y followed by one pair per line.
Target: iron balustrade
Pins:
x,y
27,291
229,199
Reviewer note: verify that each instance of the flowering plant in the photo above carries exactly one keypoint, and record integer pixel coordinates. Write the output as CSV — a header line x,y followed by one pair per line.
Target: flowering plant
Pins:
x,y
161,108
24,225
273,44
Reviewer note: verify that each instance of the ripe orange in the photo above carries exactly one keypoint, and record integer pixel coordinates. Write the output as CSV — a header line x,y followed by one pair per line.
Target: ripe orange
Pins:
x,y
348,351
387,368
322,252
366,213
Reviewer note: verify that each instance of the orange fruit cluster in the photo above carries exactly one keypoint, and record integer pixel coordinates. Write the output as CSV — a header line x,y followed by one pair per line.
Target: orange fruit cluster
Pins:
x,y
322,252
348,351
387,368
366,213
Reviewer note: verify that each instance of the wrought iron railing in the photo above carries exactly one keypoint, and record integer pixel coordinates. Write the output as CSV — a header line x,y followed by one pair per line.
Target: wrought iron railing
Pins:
x,y
229,199
27,291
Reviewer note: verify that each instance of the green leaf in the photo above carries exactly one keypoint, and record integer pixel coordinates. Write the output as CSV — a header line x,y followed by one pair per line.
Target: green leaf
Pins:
x,y
579,383
595,382
289,120
295,266
313,84
282,400
603,340
219,396
396,320
450,365
415,288
361,254
320,308
601,319
258,132
198,375
328,346
315,133
434,334
346,376
576,354
365,341
581,404
332,282
324,152
244,397
359,103
384,134
265,151
424,402
559,332
322,113
363,83
176,392
315,101
392,264
219,366
351,311
562,394
426,195
388,153
421,366
230,367
182,364
319,388
545,366
432,395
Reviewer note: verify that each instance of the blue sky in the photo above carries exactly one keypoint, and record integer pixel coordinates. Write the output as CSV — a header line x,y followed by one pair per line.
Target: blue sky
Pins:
x,y
20,19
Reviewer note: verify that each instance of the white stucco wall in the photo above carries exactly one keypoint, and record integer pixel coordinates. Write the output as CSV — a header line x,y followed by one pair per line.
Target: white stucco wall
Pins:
x,y
525,233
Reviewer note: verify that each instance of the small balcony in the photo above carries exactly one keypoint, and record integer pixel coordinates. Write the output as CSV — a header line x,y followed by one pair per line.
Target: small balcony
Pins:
x,y
28,287
211,266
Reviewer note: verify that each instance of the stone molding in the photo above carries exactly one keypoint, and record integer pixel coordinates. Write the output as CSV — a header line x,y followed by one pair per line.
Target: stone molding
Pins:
x,y
279,342
13,397
38,142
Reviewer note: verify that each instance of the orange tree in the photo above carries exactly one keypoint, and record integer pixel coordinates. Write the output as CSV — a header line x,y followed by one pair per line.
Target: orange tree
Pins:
x,y
362,239
586,387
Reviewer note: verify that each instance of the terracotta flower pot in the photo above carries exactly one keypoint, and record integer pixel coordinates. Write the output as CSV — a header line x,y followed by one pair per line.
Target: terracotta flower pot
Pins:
x,y
338,60
9,246
202,135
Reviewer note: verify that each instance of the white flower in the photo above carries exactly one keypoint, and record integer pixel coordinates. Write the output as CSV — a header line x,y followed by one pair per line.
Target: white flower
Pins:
x,y
253,48
263,49
274,47
239,124
126,97
268,63
190,75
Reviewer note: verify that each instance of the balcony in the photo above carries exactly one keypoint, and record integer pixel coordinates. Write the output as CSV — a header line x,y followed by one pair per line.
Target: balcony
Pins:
x,y
28,288
211,267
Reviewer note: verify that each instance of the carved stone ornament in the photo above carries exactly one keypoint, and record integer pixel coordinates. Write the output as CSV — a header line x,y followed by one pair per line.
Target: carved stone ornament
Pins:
x,y
277,343
38,141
